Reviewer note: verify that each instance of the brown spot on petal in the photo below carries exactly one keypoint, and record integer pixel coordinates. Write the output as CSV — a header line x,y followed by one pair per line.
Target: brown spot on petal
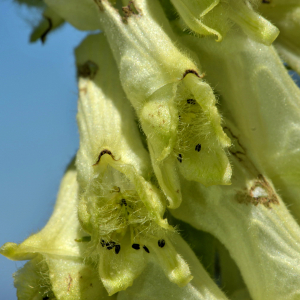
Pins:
x,y
129,10
261,192
69,279
83,90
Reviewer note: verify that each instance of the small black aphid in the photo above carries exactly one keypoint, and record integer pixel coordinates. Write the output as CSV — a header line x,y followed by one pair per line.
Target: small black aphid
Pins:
x,y
198,147
46,298
136,246
191,101
146,249
123,202
117,249
110,245
161,243
102,243
179,157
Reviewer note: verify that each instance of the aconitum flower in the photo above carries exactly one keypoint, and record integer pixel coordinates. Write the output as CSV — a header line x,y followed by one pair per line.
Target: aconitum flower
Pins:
x,y
188,122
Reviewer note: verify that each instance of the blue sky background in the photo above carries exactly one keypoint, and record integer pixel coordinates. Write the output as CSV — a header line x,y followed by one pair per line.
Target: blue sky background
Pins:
x,y
38,133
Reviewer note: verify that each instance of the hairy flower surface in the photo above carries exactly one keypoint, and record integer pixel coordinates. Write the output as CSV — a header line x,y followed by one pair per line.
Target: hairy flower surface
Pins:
x,y
285,14
188,121
251,220
260,104
56,269
176,108
214,17
119,205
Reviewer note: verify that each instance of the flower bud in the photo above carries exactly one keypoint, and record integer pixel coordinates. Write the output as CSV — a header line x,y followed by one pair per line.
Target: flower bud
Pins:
x,y
285,14
212,17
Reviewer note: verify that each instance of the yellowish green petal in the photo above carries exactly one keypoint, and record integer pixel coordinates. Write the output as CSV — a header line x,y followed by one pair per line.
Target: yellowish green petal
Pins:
x,y
57,237
203,17
241,294
261,106
118,272
108,132
153,73
32,281
120,207
285,14
153,284
213,17
82,14
254,25
71,279
251,220
57,268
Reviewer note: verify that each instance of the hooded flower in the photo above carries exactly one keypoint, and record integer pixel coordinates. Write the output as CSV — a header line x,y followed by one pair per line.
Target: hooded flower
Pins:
x,y
214,17
57,268
119,206
176,108
108,236
261,106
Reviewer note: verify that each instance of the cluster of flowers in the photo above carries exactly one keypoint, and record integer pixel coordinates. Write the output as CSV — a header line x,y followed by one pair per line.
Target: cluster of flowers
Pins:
x,y
159,146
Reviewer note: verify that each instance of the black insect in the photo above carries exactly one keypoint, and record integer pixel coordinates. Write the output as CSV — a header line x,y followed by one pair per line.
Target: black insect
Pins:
x,y
179,157
117,249
123,202
161,243
46,298
191,101
136,246
102,243
146,249
198,147
110,245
